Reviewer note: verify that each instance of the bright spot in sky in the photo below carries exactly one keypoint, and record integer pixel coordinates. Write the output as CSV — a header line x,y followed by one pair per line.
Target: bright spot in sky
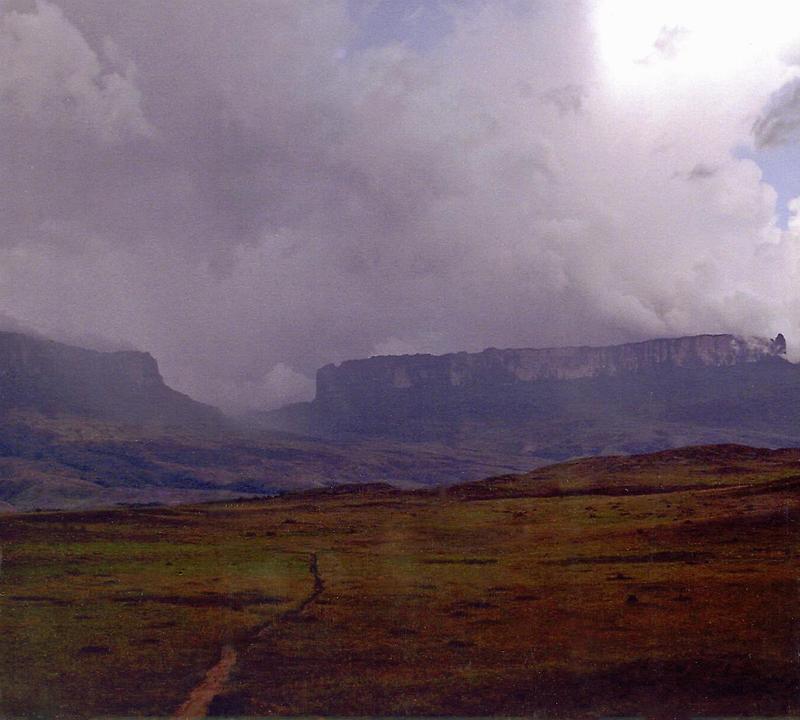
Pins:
x,y
655,41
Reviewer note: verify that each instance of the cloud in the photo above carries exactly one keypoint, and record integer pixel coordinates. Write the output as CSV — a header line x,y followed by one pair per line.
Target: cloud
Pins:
x,y
779,124
52,77
274,204
9,323
281,385
566,98
701,172
668,41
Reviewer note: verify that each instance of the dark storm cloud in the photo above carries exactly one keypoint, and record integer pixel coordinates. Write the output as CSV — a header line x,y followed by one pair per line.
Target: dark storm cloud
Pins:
x,y
251,189
701,172
780,122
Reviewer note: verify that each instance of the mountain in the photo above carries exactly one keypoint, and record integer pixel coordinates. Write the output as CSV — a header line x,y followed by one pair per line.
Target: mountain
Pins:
x,y
82,428
556,403
50,377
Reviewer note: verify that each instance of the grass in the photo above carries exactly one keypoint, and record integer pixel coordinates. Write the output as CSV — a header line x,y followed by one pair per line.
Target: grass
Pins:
x,y
63,461
121,612
662,585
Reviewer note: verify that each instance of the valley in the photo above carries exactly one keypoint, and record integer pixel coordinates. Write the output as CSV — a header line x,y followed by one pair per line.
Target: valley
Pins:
x,y
81,428
63,461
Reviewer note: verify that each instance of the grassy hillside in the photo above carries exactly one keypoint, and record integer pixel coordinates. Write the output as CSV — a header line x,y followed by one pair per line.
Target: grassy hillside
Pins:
x,y
64,461
661,585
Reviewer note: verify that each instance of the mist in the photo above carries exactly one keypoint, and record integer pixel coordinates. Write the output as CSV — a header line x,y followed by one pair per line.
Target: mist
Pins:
x,y
252,189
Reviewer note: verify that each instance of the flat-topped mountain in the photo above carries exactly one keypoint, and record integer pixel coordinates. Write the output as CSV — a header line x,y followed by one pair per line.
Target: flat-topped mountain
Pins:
x,y
555,403
51,377
83,428
66,417
340,386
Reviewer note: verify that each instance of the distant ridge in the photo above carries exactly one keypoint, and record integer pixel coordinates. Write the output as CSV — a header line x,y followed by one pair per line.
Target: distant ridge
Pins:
x,y
552,404
335,383
359,388
51,377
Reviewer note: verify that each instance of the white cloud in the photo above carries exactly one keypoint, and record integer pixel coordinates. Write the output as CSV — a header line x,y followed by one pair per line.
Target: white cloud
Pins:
x,y
51,77
297,207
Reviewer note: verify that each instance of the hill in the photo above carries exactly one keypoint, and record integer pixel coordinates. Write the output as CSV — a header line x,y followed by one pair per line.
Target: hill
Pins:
x,y
67,461
662,585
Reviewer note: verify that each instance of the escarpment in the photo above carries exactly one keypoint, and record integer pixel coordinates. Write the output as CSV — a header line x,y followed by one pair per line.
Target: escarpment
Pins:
x,y
51,377
380,394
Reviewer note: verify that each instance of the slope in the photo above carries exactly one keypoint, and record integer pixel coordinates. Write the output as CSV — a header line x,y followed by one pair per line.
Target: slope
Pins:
x,y
660,585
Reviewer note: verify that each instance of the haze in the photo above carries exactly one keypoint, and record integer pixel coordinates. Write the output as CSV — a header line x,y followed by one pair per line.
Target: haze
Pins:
x,y
250,189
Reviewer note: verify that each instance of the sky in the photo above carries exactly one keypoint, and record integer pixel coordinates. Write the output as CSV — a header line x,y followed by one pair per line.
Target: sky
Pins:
x,y
252,189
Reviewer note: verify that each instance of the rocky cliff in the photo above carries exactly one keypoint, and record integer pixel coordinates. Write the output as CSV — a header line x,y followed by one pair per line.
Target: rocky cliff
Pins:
x,y
51,377
378,393
336,384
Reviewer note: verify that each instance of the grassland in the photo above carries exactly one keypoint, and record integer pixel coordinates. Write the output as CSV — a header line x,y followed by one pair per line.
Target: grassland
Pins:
x,y
64,461
664,585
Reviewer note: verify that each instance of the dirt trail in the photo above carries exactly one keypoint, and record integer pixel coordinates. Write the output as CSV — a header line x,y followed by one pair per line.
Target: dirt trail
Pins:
x,y
201,697
319,587
196,705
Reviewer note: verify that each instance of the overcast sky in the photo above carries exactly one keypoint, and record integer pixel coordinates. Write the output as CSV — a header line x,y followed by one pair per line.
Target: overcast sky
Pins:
x,y
250,189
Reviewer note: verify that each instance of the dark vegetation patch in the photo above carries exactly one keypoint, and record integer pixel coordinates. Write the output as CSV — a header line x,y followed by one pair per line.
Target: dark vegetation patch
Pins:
x,y
460,561
534,489
789,484
665,556
475,605
260,487
735,686
402,632
726,470
47,599
235,601
114,517
230,704
95,650
764,525
392,504
367,488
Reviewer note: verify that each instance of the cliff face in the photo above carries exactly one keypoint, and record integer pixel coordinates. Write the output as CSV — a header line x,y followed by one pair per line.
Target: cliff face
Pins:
x,y
335,383
361,393
47,376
